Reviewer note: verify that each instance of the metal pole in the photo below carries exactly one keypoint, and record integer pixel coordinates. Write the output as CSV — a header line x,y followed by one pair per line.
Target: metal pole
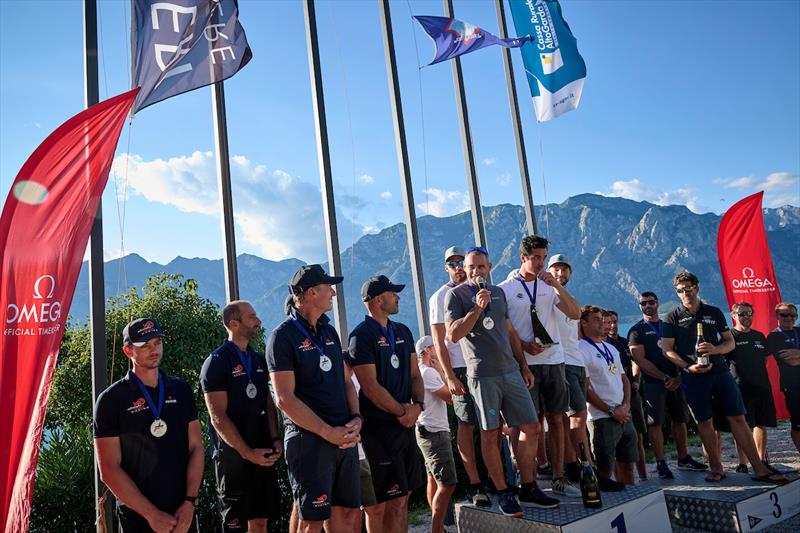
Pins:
x,y
466,144
412,235
324,159
225,195
513,103
97,297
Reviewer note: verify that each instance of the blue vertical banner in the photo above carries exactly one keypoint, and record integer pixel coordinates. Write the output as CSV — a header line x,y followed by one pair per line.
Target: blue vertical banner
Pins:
x,y
553,66
182,45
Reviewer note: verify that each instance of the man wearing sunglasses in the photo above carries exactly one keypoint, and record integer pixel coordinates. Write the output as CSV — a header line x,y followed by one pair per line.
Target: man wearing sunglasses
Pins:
x,y
455,372
784,344
661,390
748,364
714,380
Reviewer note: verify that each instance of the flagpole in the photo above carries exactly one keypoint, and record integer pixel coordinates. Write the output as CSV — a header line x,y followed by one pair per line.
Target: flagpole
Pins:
x,y
466,144
412,235
513,103
324,160
97,311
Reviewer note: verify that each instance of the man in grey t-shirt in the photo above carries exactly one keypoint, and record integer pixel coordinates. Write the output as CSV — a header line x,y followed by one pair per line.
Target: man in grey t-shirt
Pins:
x,y
498,378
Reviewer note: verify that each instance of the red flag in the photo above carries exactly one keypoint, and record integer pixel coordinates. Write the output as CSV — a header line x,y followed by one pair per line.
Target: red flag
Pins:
x,y
747,273
44,229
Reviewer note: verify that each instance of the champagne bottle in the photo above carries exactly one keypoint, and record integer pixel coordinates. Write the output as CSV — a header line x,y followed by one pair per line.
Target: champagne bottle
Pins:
x,y
700,356
590,489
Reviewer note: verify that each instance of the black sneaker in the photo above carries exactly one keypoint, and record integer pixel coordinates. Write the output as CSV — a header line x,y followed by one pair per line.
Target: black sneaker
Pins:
x,y
663,470
544,471
609,485
478,497
742,469
509,505
687,463
532,496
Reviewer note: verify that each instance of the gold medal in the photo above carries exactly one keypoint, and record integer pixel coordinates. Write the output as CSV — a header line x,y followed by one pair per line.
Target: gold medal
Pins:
x,y
612,368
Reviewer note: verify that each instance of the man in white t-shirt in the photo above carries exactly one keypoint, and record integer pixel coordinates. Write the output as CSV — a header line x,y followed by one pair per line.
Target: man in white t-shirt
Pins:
x,y
535,297
454,368
614,439
433,436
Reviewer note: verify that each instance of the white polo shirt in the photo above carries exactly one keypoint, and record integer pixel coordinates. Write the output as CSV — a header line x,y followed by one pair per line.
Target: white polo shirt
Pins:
x,y
436,314
568,329
519,311
606,384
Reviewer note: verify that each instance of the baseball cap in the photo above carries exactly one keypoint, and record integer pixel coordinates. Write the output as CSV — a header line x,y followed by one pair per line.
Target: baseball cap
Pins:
x,y
454,250
378,285
423,343
311,276
141,330
559,258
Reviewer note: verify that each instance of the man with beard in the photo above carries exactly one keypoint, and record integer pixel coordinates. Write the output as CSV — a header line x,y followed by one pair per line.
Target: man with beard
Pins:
x,y
323,422
244,434
381,353
661,389
147,439
451,361
535,298
748,364
704,381
784,344
574,420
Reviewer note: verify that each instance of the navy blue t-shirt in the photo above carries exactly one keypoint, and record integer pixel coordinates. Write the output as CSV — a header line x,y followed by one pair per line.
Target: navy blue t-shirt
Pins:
x,y
680,324
157,465
223,372
319,381
370,345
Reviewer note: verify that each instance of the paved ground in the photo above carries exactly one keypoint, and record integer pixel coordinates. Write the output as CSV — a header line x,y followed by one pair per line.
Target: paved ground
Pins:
x,y
781,451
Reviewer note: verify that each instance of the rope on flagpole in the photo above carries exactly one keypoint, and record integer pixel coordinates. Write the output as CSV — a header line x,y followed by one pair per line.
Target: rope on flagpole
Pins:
x,y
541,169
421,110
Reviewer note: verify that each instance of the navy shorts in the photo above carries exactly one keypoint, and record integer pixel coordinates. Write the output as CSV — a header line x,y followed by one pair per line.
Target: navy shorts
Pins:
x,y
701,388
394,459
322,475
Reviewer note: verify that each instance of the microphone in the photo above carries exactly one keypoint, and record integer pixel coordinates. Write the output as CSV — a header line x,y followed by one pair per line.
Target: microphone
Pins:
x,y
481,282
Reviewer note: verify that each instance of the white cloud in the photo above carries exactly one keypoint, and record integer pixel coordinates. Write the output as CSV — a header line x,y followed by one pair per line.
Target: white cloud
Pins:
x,y
780,188
442,203
489,161
366,179
634,190
386,195
275,211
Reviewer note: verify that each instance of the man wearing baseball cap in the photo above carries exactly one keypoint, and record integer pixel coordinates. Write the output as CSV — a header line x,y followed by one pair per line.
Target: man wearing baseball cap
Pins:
x,y
382,355
306,365
148,441
244,434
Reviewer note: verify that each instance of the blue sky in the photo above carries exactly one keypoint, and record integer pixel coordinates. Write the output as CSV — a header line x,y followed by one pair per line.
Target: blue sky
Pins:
x,y
694,103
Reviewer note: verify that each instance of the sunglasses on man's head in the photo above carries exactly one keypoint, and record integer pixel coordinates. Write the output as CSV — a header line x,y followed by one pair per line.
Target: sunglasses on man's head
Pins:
x,y
745,314
479,249
644,303
690,288
455,264
787,315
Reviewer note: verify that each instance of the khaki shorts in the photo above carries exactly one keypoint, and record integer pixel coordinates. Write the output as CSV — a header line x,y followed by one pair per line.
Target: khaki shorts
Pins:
x,y
437,450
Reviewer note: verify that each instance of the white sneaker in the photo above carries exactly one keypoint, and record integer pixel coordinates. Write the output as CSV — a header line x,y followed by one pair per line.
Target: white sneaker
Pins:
x,y
563,487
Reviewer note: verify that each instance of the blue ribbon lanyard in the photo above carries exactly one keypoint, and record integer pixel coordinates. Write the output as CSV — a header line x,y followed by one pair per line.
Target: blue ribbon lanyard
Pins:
x,y
149,399
605,352
793,340
660,331
320,349
525,286
474,293
245,358
389,332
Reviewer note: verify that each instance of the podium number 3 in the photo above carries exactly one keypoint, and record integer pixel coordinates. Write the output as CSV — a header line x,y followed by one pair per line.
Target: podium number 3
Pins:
x,y
619,523
773,496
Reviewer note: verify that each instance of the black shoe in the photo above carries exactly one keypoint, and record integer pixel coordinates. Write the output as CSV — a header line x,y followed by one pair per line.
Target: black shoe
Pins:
x,y
509,505
532,496
609,485
742,468
687,463
544,471
478,497
663,470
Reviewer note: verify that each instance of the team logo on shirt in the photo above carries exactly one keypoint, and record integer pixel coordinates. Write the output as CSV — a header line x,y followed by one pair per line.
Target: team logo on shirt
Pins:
x,y
382,341
520,296
234,523
306,345
170,399
394,490
758,345
238,370
709,320
322,501
138,405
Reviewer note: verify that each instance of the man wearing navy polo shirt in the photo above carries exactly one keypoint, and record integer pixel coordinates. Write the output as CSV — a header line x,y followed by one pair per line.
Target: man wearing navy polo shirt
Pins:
x,y
244,435
784,344
148,441
306,365
392,394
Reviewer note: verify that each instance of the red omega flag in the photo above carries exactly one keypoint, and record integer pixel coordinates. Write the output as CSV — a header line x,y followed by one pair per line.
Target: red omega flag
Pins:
x,y
747,273
44,229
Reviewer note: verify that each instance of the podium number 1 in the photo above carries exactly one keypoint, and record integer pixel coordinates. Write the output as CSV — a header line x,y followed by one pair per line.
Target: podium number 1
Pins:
x,y
619,523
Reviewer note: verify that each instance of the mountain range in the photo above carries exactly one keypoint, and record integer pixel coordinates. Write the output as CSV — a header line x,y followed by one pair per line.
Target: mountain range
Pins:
x,y
617,247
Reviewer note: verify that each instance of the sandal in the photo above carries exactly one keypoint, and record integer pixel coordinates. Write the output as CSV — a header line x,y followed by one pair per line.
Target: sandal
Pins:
x,y
775,479
741,469
715,477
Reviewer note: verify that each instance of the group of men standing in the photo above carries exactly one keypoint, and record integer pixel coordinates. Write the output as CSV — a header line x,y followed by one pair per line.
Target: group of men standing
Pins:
x,y
360,420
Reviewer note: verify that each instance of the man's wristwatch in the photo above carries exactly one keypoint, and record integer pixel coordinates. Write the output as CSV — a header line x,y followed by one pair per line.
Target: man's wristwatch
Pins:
x,y
192,500
357,415
665,379
611,410
417,402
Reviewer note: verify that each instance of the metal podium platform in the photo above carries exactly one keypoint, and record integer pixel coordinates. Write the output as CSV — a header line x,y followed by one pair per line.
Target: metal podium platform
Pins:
x,y
737,503
636,509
